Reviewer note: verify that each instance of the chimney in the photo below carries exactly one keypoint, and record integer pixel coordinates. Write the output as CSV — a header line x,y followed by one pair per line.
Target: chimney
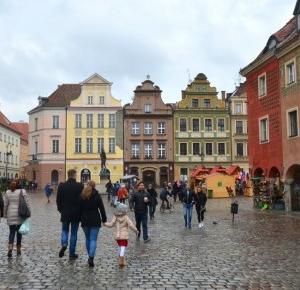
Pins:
x,y
297,14
223,93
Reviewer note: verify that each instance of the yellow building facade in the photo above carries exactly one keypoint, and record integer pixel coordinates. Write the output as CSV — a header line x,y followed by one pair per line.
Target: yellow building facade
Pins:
x,y
94,122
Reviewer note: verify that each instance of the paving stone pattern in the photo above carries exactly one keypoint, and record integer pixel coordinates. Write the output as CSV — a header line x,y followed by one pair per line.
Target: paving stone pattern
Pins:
x,y
260,251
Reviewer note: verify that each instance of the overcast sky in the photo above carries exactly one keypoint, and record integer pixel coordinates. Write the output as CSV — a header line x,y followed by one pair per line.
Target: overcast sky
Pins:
x,y
50,42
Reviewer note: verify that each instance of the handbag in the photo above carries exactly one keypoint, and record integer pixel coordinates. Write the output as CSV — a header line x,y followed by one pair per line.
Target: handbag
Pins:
x,y
23,210
25,227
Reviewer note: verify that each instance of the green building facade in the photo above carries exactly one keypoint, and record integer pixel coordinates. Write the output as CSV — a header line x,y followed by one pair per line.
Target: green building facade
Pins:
x,y
202,129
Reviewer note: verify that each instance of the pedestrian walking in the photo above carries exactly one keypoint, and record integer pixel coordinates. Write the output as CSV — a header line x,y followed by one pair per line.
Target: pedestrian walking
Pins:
x,y
92,213
68,204
48,191
1,206
11,213
109,189
164,193
187,199
122,194
153,200
200,204
122,223
175,190
139,203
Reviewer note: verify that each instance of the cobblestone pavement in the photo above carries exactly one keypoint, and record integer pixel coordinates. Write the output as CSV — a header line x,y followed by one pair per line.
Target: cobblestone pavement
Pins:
x,y
260,251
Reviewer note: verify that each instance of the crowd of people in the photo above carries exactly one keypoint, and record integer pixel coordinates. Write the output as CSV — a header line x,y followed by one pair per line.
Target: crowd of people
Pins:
x,y
83,205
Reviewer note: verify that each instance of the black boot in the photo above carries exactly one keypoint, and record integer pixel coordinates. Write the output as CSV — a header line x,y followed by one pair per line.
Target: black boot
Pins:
x,y
10,249
91,262
62,251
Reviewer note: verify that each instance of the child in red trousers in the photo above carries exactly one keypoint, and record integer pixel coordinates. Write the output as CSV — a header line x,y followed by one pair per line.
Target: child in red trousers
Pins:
x,y
122,223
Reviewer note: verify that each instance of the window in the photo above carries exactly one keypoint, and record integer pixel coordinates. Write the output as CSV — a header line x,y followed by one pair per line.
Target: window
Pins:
x,y
55,146
182,125
221,148
112,145
89,145
8,139
196,149
100,120
206,103
293,123
148,128
184,174
161,128
0,136
239,149
135,150
264,130
100,145
238,108
77,145
262,85
208,149
148,108
221,125
196,127
36,147
4,138
77,120
148,151
239,127
101,100
208,125
35,124
55,122
183,149
161,150
112,120
195,103
135,128
90,100
290,73
89,120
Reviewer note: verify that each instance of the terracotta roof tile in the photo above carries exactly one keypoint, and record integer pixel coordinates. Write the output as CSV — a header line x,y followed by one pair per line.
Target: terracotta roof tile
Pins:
x,y
7,124
23,128
286,30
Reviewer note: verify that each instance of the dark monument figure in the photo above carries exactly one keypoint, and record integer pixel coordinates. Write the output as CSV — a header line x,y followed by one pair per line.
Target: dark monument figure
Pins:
x,y
104,172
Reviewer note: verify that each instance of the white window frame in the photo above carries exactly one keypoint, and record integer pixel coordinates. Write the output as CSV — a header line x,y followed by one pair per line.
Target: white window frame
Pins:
x,y
199,125
161,128
89,145
78,120
55,122
112,145
100,144
89,121
235,128
148,128
90,100
212,124
55,146
135,150
235,108
187,149
148,108
212,148
205,104
287,64
262,94
78,143
199,148
112,120
184,177
100,120
224,128
288,122
148,150
135,128
101,100
268,130
236,149
186,124
161,150
224,148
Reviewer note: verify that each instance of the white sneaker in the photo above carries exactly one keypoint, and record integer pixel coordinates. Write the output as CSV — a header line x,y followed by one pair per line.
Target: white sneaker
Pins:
x,y
202,225
199,225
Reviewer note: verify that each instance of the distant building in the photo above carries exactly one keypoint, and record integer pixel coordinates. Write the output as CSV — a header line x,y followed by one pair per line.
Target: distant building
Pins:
x,y
239,126
201,129
9,149
148,136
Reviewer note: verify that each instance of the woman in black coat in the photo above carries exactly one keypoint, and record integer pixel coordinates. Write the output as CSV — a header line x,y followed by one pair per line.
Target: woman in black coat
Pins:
x,y
153,200
91,207
200,202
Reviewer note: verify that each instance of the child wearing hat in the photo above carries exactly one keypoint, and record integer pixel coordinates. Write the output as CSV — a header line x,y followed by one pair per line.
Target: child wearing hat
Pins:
x,y
122,223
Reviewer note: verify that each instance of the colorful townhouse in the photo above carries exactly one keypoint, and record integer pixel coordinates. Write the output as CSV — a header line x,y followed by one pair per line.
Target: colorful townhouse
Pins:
x,y
237,102
94,123
201,129
148,136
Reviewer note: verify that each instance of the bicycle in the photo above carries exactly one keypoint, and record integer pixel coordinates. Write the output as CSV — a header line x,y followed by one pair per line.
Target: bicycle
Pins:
x,y
164,207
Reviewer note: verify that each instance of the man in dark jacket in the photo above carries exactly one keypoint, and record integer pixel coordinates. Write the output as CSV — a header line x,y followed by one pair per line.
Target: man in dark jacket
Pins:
x,y
153,200
187,199
139,201
68,204
200,202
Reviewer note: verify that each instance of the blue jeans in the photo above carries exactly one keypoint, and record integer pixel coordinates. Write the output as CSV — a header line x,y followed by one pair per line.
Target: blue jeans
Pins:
x,y
142,218
91,235
187,212
73,237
